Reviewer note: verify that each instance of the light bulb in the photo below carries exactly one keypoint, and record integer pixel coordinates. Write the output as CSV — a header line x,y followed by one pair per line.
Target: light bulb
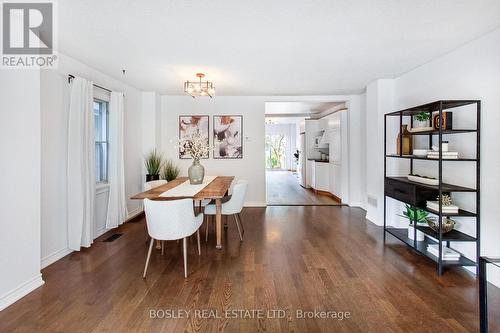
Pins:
x,y
197,88
203,93
190,89
211,91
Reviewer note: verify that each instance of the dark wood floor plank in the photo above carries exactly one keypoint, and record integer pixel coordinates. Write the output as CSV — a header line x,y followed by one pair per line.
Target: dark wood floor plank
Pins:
x,y
292,258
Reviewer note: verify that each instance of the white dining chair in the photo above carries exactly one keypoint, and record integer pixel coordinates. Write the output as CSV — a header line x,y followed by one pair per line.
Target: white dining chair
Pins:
x,y
172,220
233,207
149,186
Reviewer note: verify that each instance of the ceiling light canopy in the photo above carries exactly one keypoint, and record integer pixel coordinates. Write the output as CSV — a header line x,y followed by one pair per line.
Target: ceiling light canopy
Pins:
x,y
199,88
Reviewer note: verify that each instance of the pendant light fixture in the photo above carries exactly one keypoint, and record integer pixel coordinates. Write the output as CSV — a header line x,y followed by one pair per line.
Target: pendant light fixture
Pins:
x,y
199,88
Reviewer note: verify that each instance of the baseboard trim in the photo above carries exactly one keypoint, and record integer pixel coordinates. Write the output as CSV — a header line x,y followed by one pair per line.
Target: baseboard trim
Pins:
x,y
327,194
133,214
255,204
59,254
101,232
20,291
55,256
372,220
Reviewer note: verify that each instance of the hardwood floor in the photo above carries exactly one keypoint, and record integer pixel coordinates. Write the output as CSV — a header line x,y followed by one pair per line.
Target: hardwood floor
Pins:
x,y
283,189
323,258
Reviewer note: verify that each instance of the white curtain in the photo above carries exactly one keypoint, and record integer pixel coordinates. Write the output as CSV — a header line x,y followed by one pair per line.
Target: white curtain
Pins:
x,y
81,165
117,205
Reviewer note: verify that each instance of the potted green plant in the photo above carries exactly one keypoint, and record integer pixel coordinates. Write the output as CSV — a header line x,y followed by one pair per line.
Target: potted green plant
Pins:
x,y
153,162
170,171
421,120
413,214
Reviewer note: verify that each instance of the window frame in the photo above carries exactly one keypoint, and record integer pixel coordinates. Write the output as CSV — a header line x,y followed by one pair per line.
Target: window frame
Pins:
x,y
101,97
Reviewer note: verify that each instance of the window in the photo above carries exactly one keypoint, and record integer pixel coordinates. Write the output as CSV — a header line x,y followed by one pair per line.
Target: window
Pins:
x,y
101,140
275,151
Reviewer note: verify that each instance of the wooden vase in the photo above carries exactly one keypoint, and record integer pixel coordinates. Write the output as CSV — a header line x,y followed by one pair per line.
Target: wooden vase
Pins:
x,y
407,138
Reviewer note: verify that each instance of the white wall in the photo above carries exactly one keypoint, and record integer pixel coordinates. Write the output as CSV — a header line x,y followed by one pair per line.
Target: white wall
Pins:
x,y
470,72
54,101
251,167
353,151
362,151
379,100
151,122
19,184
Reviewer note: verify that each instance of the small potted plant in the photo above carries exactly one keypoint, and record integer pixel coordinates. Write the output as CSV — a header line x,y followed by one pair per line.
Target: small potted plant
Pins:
x,y
170,171
411,214
421,120
197,147
153,163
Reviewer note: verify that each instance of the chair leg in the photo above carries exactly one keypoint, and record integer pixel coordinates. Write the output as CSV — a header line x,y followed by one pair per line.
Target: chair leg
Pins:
x,y
238,225
206,228
184,245
198,239
241,223
147,258
162,247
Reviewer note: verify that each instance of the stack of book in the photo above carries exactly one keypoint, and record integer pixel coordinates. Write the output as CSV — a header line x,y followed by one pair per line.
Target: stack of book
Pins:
x,y
434,206
447,155
448,254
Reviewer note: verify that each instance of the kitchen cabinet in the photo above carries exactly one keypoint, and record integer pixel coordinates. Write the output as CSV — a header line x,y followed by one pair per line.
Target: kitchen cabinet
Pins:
x,y
336,180
335,185
335,146
309,173
321,176
331,181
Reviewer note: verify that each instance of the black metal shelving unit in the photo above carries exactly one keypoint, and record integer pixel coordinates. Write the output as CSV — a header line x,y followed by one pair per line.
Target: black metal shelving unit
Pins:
x,y
415,194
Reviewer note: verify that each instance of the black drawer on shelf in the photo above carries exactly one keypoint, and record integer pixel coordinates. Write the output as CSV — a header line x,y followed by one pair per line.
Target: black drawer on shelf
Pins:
x,y
408,193
400,191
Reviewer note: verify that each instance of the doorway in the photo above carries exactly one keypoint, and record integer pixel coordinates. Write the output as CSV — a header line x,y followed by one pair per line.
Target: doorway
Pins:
x,y
288,158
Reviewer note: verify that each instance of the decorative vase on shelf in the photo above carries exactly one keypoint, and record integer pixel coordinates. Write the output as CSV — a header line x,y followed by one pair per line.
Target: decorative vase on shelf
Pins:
x,y
420,124
411,234
196,172
407,140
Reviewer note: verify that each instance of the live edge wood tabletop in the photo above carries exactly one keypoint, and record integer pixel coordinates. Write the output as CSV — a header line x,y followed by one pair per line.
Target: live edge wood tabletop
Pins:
x,y
216,190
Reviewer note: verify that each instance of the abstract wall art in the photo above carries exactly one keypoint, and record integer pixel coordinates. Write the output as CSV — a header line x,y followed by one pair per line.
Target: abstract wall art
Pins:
x,y
228,137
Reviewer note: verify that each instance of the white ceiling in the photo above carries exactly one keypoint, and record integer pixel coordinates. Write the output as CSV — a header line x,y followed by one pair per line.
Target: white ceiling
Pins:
x,y
284,120
279,47
299,108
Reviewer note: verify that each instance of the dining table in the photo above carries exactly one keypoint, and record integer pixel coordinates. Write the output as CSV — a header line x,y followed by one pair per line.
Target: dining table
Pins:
x,y
215,190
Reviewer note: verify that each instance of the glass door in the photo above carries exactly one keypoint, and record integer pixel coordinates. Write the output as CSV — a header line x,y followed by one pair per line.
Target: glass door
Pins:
x,y
276,152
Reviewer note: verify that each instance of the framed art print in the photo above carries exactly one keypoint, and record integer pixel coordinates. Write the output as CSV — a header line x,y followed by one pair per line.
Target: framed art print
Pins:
x,y
189,125
228,137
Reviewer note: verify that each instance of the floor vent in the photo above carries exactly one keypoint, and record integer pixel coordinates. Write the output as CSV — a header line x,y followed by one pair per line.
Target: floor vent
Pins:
x,y
112,237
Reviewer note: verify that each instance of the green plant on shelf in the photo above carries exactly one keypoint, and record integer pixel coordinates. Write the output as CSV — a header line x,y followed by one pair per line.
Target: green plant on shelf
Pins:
x,y
412,213
422,116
